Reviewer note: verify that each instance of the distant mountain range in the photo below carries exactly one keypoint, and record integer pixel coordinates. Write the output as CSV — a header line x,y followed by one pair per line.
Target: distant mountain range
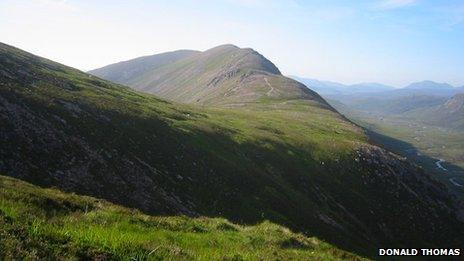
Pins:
x,y
327,88
429,88
427,101
332,88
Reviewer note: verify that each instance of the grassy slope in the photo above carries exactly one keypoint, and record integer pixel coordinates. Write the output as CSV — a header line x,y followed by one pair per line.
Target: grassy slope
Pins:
x,y
224,75
126,70
293,162
46,223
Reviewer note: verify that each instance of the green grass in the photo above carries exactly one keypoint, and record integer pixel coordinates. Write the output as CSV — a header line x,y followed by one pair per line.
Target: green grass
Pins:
x,y
37,223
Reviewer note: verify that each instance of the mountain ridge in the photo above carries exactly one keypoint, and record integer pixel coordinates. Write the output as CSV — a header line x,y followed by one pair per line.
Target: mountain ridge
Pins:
x,y
117,72
426,87
225,75
332,88
427,84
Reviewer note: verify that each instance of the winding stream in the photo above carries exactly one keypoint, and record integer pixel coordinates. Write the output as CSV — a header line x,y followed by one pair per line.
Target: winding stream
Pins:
x,y
438,163
452,180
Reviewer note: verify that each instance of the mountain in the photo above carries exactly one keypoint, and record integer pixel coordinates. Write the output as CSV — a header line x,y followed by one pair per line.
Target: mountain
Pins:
x,y
455,104
449,114
419,95
369,88
38,224
326,88
426,88
429,85
351,94
287,158
322,87
224,75
397,105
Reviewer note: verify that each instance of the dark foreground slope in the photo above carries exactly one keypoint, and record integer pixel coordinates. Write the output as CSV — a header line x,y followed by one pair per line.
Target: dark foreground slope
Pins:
x,y
293,161
38,224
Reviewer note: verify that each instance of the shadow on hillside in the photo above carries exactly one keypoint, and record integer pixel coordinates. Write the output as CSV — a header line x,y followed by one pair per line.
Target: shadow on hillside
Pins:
x,y
148,164
409,151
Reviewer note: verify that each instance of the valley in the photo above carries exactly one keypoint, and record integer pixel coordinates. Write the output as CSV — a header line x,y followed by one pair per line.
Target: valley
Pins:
x,y
437,149
424,128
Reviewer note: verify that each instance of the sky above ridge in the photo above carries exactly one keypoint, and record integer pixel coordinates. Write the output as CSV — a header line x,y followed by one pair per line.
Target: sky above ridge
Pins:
x,y
393,42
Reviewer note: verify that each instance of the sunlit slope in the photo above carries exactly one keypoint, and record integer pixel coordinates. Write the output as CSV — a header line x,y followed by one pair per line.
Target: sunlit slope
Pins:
x,y
450,114
224,75
294,162
37,223
126,70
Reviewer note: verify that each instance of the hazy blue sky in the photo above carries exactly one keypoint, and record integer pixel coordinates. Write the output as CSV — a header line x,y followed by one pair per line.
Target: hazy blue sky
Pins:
x,y
388,41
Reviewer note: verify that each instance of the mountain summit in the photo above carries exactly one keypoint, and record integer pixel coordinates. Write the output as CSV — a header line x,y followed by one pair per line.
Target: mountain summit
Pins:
x,y
225,75
428,85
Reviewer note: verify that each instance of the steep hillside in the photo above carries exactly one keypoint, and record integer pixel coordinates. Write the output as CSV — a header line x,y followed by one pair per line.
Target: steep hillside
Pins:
x,y
295,162
448,115
224,75
455,104
38,224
